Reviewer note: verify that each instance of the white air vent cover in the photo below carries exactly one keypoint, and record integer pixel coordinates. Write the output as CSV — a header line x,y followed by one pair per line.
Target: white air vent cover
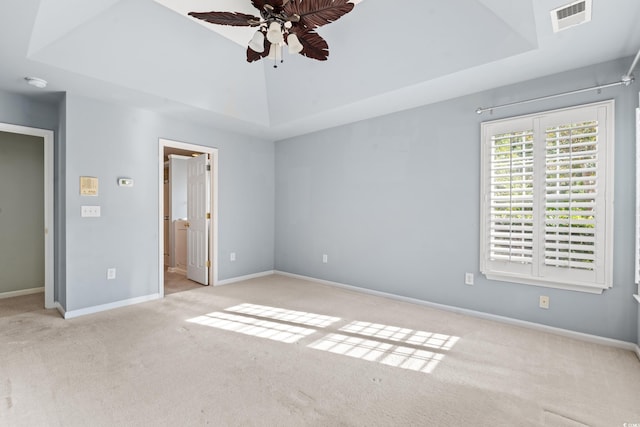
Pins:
x,y
570,15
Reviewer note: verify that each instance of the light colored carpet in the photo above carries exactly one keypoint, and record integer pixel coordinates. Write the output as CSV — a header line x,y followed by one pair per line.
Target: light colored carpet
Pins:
x,y
176,282
279,351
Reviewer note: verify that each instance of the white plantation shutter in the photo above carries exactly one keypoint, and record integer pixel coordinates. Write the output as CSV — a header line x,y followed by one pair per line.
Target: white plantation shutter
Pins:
x,y
511,195
570,195
546,219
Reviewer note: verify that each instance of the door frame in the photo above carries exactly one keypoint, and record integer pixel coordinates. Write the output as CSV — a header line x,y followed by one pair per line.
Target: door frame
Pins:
x,y
49,230
213,204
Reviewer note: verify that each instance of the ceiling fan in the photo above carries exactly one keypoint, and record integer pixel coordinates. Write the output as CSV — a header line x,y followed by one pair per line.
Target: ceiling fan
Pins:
x,y
284,22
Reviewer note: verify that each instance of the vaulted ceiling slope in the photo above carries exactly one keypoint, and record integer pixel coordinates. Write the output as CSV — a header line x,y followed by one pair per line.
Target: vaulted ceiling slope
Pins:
x,y
148,54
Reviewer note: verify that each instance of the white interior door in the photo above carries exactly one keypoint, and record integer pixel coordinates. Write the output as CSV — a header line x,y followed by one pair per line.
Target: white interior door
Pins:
x,y
197,214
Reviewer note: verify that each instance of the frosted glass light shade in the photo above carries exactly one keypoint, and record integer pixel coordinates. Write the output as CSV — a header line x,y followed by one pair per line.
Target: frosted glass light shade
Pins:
x,y
257,42
294,44
274,35
273,52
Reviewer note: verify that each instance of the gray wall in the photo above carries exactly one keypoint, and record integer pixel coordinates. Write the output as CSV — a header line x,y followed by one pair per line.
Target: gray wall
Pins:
x,y
40,112
21,212
110,141
394,202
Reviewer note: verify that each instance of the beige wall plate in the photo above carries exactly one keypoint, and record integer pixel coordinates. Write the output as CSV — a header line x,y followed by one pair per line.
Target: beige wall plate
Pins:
x,y
88,186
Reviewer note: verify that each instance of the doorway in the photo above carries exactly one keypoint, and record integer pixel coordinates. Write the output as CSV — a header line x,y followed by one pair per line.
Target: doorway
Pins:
x,y
174,223
46,199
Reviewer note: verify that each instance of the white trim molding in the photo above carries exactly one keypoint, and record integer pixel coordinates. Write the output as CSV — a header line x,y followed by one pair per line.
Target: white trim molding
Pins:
x,y
507,320
637,297
104,307
638,351
243,278
21,293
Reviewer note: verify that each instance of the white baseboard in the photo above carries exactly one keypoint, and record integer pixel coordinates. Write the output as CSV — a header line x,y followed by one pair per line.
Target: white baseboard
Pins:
x,y
502,319
243,278
177,270
638,351
21,293
104,307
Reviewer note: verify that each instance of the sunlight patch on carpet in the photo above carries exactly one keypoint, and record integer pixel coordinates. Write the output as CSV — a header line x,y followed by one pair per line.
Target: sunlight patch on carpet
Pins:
x,y
299,317
376,351
253,327
402,335
389,345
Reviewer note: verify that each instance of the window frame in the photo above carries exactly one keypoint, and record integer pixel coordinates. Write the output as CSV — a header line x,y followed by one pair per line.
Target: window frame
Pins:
x,y
537,272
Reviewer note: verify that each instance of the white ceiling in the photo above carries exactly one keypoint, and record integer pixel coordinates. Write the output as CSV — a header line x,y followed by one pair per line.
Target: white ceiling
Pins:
x,y
145,54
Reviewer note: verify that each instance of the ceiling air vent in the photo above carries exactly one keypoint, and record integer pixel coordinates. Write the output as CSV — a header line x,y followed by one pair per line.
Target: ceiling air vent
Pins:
x,y
570,15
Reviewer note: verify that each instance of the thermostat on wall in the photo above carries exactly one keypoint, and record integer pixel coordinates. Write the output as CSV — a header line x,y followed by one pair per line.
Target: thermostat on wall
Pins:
x,y
125,182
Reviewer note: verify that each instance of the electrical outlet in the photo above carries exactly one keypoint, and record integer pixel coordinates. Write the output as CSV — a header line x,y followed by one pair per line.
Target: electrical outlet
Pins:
x,y
544,302
111,273
232,256
325,258
468,279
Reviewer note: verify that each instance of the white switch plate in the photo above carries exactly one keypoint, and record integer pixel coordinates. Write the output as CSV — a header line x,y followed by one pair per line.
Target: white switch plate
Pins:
x,y
232,256
325,258
89,211
111,273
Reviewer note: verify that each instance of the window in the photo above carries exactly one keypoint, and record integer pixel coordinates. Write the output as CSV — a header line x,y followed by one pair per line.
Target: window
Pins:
x,y
547,205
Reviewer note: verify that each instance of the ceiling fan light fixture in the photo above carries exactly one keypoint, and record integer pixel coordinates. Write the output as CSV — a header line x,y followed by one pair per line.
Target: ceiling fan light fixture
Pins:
x,y
294,44
257,42
274,34
295,21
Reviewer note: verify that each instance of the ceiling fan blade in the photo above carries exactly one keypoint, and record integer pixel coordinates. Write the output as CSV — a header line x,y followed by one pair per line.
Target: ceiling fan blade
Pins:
x,y
235,19
258,4
313,46
316,13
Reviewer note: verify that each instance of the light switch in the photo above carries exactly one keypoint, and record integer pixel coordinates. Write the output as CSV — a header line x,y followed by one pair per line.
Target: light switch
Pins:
x,y
89,211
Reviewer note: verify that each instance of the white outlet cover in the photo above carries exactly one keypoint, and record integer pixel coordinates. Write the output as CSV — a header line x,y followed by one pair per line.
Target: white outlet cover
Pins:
x,y
468,278
544,302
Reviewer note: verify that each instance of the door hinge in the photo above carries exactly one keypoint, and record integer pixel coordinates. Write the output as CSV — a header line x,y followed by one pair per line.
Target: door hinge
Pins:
x,y
208,215
208,168
208,263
